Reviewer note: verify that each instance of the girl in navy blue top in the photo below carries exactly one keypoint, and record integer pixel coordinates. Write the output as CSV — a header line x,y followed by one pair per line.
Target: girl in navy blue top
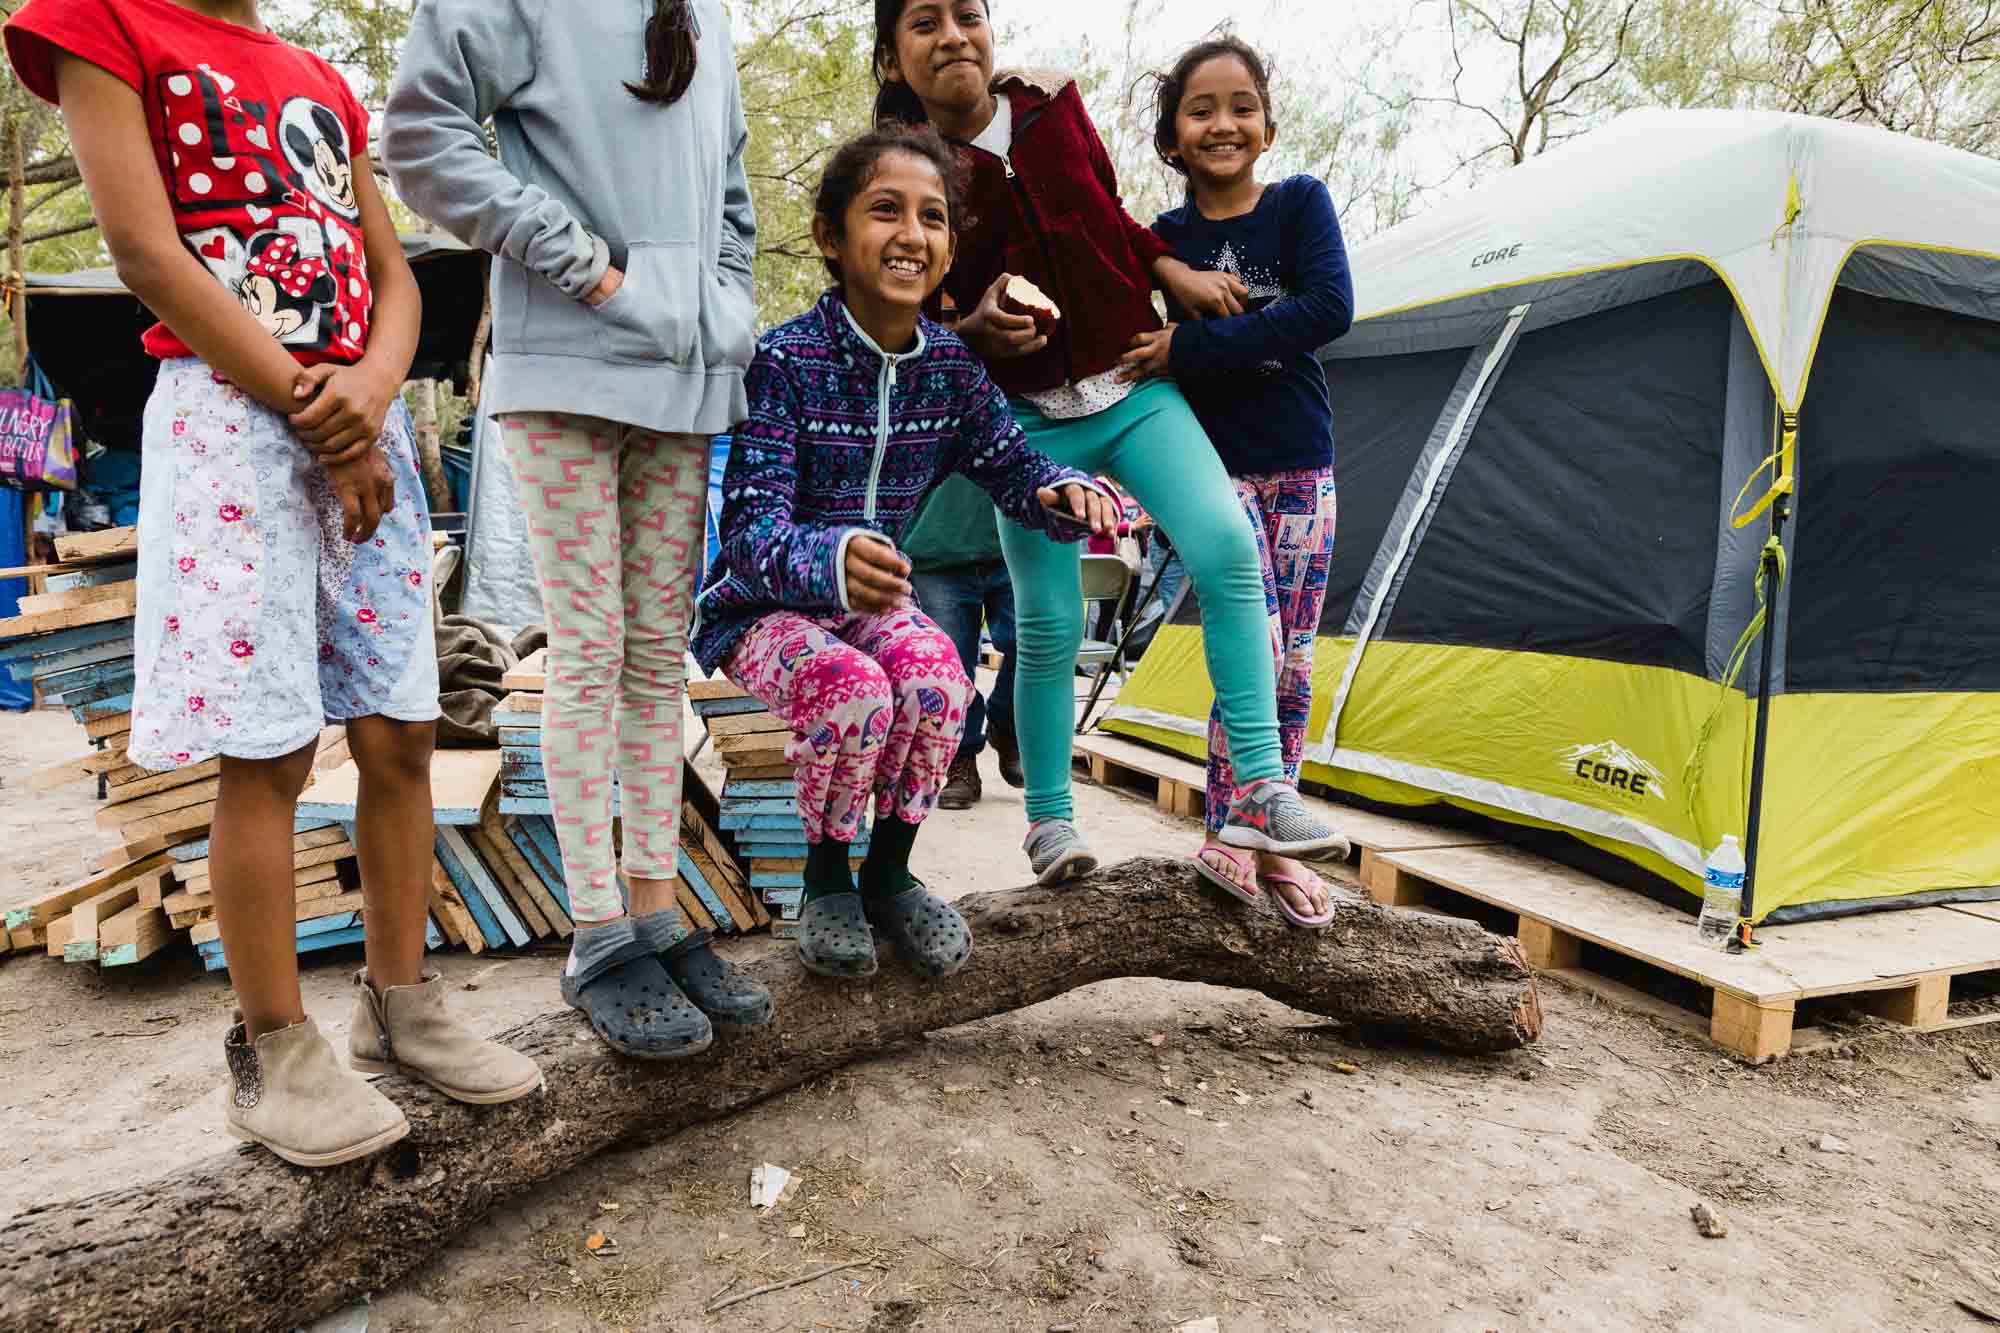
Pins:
x,y
1253,378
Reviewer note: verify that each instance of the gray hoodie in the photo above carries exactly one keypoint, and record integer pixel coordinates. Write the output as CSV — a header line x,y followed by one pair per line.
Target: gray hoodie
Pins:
x,y
588,176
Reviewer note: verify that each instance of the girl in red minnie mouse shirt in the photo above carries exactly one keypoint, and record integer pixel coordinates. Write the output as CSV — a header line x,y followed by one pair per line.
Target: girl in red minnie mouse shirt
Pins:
x,y
283,539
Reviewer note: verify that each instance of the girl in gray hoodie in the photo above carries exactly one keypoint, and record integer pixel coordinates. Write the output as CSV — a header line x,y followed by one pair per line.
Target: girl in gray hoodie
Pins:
x,y
618,214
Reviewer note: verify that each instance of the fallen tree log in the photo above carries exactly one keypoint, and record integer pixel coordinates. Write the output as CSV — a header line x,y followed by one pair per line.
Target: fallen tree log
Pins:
x,y
242,1241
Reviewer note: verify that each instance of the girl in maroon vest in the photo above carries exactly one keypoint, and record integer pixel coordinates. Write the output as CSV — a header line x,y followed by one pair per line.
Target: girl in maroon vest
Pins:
x,y
1044,206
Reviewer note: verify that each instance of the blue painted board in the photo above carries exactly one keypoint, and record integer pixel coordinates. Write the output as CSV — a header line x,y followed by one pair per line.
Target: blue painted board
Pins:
x,y
778,879
762,823
198,849
77,678
475,906
51,664
103,708
77,695
530,789
472,880
215,962
526,805
526,737
774,787
690,872
83,636
707,708
515,772
550,876
760,805
541,830
789,851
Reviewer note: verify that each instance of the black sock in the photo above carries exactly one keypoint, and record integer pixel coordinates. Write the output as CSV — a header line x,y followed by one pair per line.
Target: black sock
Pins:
x,y
827,870
886,872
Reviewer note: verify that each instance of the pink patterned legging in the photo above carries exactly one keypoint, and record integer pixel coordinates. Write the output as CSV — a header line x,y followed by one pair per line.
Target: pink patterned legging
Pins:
x,y
876,704
1293,515
615,516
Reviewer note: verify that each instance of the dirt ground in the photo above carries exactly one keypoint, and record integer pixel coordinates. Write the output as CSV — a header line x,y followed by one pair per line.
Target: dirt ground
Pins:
x,y
1135,1155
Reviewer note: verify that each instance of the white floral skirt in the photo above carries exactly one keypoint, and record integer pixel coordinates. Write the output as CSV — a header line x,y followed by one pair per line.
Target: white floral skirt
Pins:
x,y
257,621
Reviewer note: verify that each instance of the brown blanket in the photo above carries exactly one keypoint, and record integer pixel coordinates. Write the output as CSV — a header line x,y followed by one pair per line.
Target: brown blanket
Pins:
x,y
472,658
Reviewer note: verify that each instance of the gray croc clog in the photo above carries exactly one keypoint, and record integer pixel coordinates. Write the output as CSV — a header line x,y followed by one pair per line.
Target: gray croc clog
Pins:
x,y
834,938
927,931
734,1000
639,1011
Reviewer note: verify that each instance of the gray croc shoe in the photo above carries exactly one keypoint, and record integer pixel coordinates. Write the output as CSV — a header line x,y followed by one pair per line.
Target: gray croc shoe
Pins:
x,y
1270,817
834,939
927,931
618,983
1056,851
734,1000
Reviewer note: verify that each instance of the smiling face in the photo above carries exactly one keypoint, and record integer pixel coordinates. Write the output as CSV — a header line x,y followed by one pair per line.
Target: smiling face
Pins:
x,y
894,242
1222,126
943,49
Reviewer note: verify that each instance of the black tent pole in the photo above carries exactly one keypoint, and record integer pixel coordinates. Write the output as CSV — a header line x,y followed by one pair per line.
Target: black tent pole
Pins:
x,y
1770,575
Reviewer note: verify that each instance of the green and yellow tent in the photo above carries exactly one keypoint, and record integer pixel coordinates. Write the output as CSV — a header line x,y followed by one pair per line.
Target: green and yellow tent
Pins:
x,y
1600,420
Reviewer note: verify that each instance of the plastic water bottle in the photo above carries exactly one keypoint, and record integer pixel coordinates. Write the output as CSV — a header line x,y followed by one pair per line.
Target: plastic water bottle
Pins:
x,y
1722,894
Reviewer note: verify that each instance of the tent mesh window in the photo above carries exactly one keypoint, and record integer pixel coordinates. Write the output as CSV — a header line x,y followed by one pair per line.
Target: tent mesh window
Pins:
x,y
1896,573
1584,524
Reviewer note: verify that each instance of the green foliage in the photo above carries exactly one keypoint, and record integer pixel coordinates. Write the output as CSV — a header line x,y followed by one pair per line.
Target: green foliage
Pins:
x,y
1925,67
805,67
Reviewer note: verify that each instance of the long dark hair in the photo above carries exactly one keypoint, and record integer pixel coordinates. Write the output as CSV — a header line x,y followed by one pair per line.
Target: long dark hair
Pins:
x,y
1170,88
854,164
671,35
897,101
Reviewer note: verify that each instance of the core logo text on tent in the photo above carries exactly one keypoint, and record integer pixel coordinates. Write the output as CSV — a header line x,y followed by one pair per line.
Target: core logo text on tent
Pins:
x,y
1610,765
1496,256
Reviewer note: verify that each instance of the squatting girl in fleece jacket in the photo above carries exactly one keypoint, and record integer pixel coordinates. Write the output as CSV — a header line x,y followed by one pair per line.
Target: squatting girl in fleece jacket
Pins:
x,y
859,407
1044,203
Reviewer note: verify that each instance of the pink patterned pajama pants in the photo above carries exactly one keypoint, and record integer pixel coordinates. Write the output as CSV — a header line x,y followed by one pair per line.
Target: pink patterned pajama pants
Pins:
x,y
615,517
876,704
1293,514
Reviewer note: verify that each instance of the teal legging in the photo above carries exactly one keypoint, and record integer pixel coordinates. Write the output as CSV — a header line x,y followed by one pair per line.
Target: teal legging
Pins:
x,y
1153,446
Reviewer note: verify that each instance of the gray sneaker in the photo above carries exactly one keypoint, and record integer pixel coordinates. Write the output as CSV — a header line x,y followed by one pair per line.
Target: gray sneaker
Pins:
x,y
1056,851
1270,817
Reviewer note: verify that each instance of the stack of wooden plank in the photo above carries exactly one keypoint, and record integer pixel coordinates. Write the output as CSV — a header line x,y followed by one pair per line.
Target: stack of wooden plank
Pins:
x,y
113,916
759,806
495,881
76,645
713,891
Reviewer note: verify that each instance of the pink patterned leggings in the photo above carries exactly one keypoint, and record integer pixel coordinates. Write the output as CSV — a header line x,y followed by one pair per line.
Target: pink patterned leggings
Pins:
x,y
615,517
1293,515
876,704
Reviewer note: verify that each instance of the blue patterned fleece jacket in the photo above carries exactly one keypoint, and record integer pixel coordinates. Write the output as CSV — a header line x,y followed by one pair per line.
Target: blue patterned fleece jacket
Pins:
x,y
844,438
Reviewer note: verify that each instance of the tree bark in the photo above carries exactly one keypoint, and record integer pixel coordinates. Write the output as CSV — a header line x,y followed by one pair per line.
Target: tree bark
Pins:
x,y
242,1241
430,464
17,250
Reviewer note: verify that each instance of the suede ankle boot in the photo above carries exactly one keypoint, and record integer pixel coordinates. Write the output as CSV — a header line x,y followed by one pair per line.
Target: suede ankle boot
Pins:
x,y
289,1093
406,1029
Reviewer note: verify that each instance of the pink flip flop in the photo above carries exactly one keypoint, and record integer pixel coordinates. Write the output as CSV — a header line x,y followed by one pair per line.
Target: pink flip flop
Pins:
x,y
1292,914
1244,863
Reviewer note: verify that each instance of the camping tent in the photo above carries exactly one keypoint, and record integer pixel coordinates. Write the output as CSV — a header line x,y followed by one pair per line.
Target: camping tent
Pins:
x,y
1565,395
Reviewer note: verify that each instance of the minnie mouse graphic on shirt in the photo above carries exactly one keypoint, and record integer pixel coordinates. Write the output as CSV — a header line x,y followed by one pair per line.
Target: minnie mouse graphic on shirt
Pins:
x,y
289,243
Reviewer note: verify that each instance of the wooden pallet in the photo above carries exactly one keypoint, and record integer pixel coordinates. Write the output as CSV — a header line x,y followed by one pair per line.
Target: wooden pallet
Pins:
x,y
1179,786
1176,786
1898,965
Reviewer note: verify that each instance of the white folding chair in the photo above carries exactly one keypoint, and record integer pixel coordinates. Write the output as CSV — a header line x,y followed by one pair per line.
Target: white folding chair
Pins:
x,y
1106,580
